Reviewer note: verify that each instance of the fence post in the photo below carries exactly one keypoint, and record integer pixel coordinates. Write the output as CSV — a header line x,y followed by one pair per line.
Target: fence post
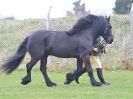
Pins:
x,y
48,27
48,18
131,18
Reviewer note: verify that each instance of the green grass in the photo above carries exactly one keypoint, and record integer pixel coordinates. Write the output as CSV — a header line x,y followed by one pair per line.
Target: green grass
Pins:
x,y
121,87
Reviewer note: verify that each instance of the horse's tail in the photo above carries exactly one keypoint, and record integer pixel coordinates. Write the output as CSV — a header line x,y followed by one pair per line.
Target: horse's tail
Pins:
x,y
13,62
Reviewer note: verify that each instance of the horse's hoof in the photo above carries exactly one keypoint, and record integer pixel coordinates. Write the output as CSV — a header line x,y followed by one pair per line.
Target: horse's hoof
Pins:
x,y
67,81
25,81
69,78
105,84
76,80
51,84
96,84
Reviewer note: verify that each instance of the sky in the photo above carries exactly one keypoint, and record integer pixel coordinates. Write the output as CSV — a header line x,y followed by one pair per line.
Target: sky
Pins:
x,y
24,9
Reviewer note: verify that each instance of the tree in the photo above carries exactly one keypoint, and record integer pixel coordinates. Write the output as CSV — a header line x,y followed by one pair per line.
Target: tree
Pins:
x,y
122,6
78,8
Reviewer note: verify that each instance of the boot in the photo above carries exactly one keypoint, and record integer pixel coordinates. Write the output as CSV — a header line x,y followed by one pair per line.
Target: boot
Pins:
x,y
100,76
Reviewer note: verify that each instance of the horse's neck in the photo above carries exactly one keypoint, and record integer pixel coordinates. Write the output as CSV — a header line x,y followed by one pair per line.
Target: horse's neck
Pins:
x,y
93,33
97,30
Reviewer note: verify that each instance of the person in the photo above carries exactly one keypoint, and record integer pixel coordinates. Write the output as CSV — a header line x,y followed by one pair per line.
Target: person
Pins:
x,y
97,50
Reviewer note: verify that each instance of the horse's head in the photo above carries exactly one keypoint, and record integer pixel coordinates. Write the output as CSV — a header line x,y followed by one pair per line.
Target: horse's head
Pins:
x,y
107,35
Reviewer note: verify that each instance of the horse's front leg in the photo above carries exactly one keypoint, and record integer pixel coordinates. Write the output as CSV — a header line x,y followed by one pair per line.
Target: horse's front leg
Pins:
x,y
80,70
86,60
74,75
79,64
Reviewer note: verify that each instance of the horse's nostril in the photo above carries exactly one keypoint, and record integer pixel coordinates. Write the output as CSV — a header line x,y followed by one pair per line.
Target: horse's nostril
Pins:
x,y
110,41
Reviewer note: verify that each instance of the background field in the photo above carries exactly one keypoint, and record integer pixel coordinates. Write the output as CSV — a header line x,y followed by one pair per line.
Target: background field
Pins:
x,y
121,87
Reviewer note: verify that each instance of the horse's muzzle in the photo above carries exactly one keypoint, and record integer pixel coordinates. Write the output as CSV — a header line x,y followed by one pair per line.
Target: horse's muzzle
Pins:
x,y
109,40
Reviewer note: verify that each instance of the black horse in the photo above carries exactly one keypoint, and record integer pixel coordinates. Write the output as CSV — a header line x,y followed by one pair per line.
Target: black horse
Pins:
x,y
42,43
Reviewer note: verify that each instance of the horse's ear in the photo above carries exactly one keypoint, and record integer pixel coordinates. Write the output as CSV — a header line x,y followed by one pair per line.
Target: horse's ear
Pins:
x,y
108,19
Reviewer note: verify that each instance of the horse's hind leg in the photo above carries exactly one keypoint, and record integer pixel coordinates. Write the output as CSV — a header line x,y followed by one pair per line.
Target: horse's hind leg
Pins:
x,y
43,69
27,78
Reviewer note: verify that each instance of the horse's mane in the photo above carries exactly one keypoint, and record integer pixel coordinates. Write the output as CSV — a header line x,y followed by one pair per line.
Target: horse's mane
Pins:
x,y
83,23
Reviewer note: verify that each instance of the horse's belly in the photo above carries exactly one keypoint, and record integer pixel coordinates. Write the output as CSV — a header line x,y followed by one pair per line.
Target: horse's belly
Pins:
x,y
64,54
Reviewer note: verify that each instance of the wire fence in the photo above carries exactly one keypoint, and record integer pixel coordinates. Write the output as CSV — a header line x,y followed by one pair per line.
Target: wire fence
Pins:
x,y
119,54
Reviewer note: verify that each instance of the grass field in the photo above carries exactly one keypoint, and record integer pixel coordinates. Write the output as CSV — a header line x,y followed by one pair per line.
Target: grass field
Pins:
x,y
121,87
